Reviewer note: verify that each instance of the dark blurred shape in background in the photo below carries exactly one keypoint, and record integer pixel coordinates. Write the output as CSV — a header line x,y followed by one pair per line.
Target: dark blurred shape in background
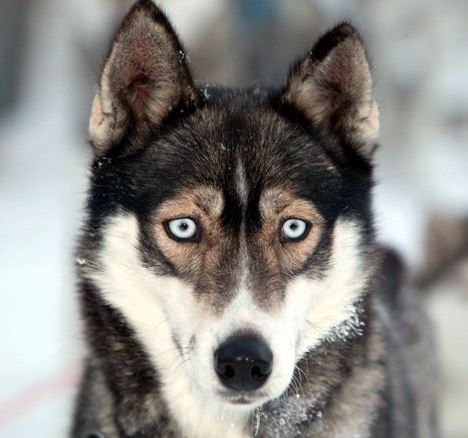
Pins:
x,y
13,29
50,55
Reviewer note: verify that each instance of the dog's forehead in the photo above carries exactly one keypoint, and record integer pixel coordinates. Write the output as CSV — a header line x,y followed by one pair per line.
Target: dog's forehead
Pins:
x,y
223,144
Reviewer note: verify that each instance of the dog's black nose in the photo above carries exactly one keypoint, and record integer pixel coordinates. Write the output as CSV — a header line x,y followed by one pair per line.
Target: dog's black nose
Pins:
x,y
243,363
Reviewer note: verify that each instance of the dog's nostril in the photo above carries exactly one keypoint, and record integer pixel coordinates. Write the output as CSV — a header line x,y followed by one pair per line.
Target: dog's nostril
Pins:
x,y
258,374
243,363
229,372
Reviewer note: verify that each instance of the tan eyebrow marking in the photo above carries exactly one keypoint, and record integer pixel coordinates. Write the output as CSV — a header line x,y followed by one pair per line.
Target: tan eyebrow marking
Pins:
x,y
275,201
207,200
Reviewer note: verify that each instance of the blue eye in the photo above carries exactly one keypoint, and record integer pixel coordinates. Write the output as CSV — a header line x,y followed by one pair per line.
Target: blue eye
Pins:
x,y
181,229
294,229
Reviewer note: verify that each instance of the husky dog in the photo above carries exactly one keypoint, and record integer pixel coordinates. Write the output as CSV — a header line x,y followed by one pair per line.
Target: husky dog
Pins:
x,y
230,281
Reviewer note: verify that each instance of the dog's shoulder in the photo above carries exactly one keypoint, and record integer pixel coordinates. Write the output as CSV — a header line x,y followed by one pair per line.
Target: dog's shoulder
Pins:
x,y
409,359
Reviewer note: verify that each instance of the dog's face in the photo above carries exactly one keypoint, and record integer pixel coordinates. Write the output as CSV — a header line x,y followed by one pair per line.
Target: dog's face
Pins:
x,y
233,228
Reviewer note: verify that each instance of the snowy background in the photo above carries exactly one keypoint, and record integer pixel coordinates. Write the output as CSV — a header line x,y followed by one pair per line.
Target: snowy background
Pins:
x,y
50,55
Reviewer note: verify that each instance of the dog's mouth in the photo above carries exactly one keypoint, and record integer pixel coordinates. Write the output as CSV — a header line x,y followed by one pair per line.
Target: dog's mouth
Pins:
x,y
243,398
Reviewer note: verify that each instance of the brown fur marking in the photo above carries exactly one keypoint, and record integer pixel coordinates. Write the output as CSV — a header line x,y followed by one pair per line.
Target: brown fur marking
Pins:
x,y
205,261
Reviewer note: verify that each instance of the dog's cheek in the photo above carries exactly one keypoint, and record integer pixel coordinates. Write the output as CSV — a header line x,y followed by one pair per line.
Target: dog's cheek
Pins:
x,y
156,307
330,301
283,346
201,354
284,329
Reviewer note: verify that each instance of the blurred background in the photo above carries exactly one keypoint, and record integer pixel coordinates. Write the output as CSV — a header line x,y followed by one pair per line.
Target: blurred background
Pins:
x,y
51,52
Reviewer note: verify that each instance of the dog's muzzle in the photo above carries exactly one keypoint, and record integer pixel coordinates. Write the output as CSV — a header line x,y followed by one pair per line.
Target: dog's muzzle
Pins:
x,y
243,363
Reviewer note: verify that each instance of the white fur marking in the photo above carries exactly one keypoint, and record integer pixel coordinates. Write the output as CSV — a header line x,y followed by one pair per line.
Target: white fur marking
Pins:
x,y
331,310
148,302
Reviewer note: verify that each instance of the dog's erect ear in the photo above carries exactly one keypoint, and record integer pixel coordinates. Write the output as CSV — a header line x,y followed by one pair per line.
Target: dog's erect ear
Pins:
x,y
144,78
332,88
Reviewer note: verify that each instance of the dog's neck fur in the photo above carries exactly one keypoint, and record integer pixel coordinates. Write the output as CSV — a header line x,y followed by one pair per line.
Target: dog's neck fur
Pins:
x,y
129,400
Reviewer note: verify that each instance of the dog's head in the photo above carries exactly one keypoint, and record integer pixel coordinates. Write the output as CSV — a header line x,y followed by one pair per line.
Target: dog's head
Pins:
x,y
232,229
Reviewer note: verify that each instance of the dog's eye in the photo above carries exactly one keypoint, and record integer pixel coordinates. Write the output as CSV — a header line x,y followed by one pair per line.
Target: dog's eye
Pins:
x,y
182,229
294,229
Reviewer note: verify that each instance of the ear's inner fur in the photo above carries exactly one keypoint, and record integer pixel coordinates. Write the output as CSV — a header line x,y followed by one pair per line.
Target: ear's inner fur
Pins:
x,y
332,87
145,77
